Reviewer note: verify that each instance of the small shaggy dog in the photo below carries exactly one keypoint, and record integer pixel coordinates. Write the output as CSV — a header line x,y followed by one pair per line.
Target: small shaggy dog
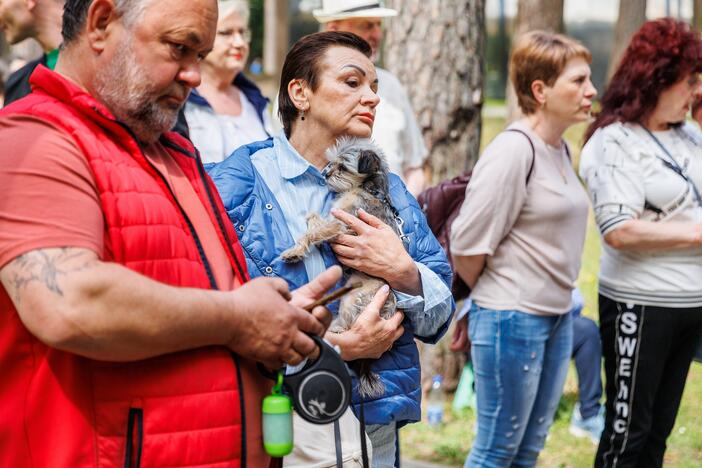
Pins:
x,y
358,173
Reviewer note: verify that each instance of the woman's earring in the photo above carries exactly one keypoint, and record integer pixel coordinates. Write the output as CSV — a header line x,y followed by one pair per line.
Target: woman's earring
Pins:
x,y
302,115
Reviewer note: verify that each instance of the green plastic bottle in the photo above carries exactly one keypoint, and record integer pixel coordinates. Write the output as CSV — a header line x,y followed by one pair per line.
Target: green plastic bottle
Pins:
x,y
277,422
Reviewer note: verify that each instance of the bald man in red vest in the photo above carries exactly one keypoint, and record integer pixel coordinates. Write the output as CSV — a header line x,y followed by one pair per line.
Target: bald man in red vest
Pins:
x,y
129,329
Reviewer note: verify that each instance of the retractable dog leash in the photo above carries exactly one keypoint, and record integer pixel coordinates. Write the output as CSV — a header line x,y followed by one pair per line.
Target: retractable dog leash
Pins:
x,y
320,393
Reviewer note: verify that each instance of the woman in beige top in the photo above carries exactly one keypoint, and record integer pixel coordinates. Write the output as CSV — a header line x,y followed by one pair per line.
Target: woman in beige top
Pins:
x,y
517,243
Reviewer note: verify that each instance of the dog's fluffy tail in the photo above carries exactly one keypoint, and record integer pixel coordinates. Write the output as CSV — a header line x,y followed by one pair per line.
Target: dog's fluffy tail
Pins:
x,y
369,383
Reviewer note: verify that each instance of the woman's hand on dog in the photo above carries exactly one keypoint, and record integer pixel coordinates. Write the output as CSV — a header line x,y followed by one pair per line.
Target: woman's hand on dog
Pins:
x,y
370,336
377,251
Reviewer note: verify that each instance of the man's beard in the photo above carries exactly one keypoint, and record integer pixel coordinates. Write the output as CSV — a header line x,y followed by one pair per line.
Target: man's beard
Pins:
x,y
123,87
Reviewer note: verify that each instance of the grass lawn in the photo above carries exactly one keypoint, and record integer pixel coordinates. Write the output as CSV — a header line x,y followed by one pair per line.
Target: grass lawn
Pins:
x,y
450,443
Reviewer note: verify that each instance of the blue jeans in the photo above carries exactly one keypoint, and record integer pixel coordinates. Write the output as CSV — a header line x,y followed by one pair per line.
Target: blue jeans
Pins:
x,y
520,362
587,352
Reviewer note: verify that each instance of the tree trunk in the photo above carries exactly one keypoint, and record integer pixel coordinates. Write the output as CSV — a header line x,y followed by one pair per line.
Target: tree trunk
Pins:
x,y
632,14
546,15
697,15
436,49
275,36
4,56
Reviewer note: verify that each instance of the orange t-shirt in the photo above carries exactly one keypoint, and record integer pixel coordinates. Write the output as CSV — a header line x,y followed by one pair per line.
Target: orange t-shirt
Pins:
x,y
50,199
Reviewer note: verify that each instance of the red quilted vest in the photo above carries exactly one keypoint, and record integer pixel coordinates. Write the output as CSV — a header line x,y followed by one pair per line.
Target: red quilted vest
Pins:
x,y
184,409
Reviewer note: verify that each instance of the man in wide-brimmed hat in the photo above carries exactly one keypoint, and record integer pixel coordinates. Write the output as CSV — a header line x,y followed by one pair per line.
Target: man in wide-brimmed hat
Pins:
x,y
395,129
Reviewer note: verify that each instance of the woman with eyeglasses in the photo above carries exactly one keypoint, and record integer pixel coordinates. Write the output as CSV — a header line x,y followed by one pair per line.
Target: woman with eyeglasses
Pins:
x,y
227,110
642,164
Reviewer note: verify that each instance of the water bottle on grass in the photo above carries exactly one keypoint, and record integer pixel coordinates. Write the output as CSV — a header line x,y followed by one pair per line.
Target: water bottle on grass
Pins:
x,y
435,402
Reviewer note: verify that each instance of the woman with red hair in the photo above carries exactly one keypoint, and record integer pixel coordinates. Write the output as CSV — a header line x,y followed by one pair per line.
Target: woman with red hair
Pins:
x,y
643,167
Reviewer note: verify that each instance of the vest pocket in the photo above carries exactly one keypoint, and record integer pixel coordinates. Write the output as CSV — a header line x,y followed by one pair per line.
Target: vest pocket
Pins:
x,y
135,434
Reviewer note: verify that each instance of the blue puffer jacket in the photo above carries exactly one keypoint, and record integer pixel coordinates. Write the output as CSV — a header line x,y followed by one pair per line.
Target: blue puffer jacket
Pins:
x,y
264,235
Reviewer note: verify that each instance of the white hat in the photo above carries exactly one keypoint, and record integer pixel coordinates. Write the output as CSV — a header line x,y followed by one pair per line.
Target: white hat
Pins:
x,y
333,10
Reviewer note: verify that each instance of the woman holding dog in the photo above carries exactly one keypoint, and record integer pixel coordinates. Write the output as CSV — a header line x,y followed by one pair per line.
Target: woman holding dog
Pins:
x,y
643,167
328,91
517,243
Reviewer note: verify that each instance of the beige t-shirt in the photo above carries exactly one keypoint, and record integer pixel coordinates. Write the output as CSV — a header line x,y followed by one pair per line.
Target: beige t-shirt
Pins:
x,y
533,233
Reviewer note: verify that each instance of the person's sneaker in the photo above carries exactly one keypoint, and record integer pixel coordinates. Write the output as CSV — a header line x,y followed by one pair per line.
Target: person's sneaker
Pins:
x,y
591,427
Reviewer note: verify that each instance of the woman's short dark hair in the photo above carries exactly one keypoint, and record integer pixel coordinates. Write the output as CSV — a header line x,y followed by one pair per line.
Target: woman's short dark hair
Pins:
x,y
661,53
303,63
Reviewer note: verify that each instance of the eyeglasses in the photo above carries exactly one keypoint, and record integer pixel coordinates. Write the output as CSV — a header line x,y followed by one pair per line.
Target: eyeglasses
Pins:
x,y
244,34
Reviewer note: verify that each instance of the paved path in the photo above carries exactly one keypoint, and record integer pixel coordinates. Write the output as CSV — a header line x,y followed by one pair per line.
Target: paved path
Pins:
x,y
405,463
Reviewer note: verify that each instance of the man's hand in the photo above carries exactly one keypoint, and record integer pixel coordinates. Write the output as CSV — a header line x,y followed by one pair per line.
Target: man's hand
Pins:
x,y
460,341
371,335
376,250
268,327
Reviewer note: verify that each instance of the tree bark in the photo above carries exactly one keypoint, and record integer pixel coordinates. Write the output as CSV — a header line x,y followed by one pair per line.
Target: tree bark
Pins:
x,y
697,15
4,55
276,32
632,14
546,15
436,48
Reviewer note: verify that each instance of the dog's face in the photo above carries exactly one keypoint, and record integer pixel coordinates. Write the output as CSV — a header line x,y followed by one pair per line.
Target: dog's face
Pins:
x,y
356,163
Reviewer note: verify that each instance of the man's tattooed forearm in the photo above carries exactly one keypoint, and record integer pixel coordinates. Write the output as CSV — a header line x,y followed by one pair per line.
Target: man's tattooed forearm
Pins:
x,y
46,267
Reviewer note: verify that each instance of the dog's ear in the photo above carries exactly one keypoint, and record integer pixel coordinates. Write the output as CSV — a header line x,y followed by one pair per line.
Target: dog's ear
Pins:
x,y
369,162
376,182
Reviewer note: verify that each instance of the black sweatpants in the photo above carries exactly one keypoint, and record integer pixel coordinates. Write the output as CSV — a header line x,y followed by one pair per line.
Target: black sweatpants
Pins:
x,y
647,353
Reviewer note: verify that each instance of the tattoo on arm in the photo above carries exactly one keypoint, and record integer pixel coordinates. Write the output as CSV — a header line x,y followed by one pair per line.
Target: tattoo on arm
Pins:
x,y
45,267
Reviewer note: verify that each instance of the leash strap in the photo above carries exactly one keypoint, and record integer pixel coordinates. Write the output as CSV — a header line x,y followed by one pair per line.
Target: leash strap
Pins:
x,y
337,444
364,447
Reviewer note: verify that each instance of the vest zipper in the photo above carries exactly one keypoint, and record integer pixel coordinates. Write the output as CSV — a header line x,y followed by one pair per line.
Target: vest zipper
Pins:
x,y
210,197
242,403
213,283
200,249
134,422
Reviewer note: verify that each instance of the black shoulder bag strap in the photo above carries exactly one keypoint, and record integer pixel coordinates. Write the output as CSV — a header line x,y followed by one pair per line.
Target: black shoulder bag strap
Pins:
x,y
533,151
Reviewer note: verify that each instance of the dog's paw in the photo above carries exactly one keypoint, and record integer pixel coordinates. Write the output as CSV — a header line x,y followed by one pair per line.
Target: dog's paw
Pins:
x,y
293,255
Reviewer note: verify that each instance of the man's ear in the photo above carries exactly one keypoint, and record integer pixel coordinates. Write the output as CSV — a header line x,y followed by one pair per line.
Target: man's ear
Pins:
x,y
298,91
538,90
101,18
